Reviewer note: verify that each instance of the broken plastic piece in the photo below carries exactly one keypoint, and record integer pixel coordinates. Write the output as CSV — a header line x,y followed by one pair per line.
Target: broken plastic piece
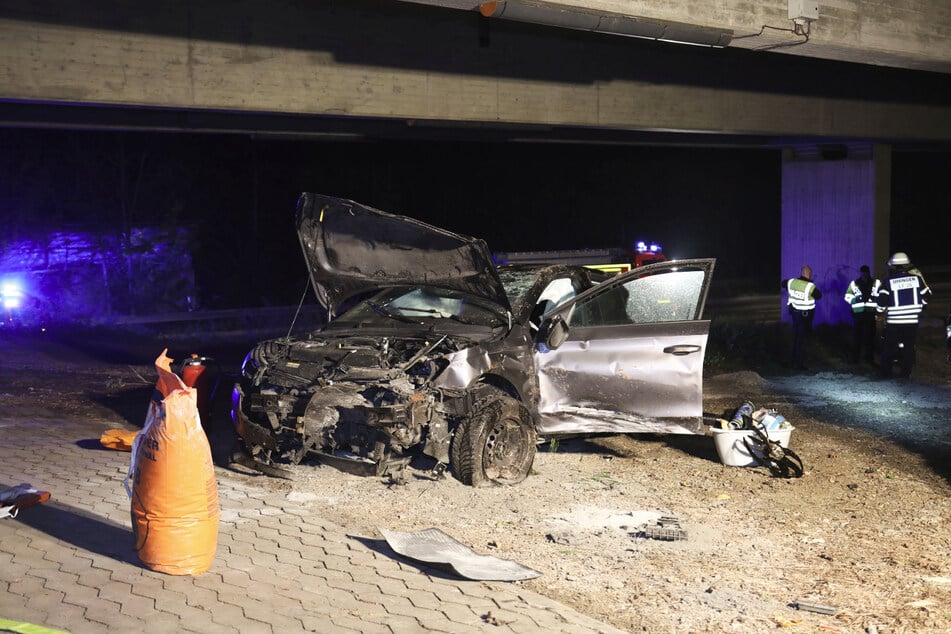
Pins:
x,y
19,497
815,607
439,470
666,528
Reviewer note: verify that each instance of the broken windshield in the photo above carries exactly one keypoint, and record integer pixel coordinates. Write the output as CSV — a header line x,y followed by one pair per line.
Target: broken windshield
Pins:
x,y
517,282
417,304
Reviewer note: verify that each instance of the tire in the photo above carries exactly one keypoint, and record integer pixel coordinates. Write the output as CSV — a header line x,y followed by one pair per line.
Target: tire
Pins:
x,y
495,445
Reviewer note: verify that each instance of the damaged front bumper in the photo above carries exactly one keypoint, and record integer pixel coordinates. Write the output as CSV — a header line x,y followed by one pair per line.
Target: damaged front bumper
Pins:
x,y
348,433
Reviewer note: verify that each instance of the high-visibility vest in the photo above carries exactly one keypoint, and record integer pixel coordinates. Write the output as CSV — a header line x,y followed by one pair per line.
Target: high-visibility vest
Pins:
x,y
903,296
857,299
800,294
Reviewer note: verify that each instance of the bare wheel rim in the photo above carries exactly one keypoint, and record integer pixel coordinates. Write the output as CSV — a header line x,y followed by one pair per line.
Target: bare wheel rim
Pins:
x,y
506,449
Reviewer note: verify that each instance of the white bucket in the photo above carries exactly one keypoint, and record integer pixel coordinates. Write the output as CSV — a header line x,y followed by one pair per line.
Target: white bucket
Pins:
x,y
732,450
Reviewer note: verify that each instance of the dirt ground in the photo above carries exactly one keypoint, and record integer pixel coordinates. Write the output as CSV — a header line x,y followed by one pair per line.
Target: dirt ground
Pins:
x,y
865,531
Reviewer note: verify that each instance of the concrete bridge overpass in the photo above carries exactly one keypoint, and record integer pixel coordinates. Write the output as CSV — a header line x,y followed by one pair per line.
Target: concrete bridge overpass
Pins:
x,y
836,83
323,63
902,34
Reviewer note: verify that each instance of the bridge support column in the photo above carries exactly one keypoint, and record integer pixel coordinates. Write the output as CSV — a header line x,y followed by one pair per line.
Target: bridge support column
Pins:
x,y
836,203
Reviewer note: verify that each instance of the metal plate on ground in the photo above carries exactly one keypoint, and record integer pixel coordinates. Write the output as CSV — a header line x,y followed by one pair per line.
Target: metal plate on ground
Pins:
x,y
432,546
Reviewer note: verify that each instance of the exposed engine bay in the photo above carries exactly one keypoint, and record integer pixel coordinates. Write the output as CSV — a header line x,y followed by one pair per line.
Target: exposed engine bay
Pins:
x,y
364,399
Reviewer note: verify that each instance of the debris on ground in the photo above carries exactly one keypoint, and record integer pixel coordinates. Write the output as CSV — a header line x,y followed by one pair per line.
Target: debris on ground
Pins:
x,y
118,439
666,528
16,498
432,546
818,608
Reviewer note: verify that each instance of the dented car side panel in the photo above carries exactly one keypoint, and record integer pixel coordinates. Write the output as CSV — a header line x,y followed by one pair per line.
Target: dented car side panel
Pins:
x,y
623,380
465,367
505,362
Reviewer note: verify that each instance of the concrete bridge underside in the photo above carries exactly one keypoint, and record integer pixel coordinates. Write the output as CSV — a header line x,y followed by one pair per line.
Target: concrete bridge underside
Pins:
x,y
901,33
400,61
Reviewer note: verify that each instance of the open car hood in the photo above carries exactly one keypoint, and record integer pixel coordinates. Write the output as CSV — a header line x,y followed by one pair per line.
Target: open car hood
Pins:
x,y
351,249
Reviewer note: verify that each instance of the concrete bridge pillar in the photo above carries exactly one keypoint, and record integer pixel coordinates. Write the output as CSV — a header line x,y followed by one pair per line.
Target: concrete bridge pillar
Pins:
x,y
836,203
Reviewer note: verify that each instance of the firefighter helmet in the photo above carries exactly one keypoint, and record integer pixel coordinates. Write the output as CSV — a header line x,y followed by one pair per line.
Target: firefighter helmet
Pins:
x,y
899,259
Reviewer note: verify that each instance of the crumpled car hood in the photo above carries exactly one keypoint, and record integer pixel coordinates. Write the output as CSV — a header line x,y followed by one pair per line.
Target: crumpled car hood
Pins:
x,y
351,249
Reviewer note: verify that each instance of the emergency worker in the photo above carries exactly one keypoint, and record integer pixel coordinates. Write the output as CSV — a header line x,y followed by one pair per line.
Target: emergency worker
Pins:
x,y
802,294
903,296
947,329
862,296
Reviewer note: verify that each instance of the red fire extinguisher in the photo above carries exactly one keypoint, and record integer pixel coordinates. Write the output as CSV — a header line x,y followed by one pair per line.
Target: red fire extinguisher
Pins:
x,y
196,374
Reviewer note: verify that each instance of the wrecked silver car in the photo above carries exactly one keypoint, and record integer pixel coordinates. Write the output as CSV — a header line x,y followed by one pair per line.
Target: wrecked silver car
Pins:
x,y
430,347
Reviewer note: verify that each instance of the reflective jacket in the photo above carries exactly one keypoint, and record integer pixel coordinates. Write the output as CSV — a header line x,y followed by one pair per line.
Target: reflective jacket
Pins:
x,y
947,327
802,294
903,296
862,294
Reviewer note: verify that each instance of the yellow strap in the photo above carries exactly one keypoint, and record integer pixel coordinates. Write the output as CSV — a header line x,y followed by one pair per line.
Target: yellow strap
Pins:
x,y
7,625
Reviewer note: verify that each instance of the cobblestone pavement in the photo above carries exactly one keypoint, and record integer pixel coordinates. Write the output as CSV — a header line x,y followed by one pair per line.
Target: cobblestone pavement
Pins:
x,y
70,563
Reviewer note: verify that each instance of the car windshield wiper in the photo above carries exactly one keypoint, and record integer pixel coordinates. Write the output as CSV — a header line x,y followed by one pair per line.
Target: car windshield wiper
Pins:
x,y
386,312
435,312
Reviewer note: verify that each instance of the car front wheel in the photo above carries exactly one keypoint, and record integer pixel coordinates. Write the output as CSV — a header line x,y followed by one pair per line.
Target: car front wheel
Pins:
x,y
495,444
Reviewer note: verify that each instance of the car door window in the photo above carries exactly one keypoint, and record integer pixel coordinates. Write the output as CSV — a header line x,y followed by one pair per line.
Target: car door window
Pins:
x,y
669,296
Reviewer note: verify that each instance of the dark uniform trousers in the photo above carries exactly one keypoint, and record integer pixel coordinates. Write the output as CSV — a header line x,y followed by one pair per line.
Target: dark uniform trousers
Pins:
x,y
899,345
801,329
863,336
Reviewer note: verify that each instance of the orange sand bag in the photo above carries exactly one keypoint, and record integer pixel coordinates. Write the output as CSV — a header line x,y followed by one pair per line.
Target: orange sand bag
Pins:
x,y
174,493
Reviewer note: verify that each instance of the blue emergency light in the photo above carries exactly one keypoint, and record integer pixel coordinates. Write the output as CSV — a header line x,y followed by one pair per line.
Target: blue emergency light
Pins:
x,y
642,247
11,294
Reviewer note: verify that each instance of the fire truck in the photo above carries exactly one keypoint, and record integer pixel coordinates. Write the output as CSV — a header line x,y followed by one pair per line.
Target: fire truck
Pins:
x,y
611,260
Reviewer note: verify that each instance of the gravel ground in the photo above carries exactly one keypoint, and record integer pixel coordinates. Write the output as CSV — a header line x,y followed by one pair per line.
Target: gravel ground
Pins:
x,y
865,531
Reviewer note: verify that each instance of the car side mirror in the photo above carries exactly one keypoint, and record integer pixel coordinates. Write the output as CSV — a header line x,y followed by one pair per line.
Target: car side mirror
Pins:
x,y
556,332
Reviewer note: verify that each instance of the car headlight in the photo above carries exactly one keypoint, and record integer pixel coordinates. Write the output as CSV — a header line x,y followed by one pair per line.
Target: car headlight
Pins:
x,y
249,367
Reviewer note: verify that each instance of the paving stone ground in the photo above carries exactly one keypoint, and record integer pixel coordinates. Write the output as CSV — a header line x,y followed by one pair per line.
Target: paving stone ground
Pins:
x,y
70,563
